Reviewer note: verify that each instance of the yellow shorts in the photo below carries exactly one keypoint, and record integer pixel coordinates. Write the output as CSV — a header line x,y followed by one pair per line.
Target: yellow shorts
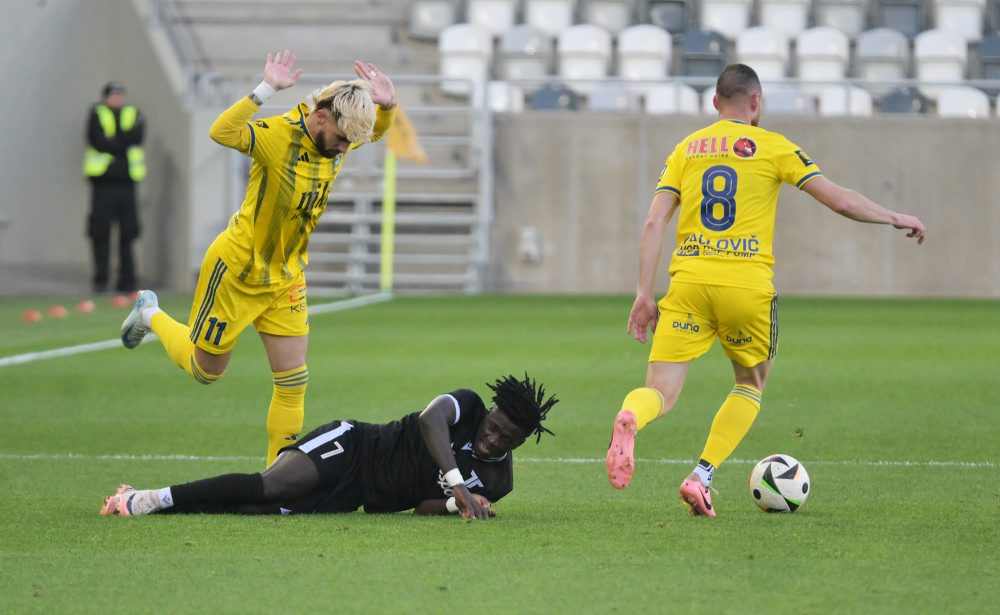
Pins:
x,y
691,316
224,306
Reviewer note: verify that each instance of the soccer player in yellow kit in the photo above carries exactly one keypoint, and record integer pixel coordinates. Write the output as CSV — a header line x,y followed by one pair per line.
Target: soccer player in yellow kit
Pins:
x,y
724,179
253,271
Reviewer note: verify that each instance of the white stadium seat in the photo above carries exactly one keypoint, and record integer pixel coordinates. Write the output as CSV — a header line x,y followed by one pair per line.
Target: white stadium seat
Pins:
x,y
883,55
466,51
584,55
429,17
612,96
963,102
727,17
789,16
848,16
494,15
765,50
962,16
823,54
612,15
707,106
644,53
504,97
525,52
940,57
552,16
672,98
845,100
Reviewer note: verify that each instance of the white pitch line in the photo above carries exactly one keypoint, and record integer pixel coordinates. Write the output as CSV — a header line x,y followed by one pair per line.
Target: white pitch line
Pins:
x,y
66,351
561,460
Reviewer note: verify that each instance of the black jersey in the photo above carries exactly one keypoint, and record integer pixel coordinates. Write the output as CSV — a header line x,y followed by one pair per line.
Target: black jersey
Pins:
x,y
398,472
387,467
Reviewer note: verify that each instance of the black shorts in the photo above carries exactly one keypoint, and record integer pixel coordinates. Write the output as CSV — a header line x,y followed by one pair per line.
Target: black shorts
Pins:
x,y
336,449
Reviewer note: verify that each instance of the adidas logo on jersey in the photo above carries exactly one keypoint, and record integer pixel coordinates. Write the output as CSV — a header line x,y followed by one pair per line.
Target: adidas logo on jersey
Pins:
x,y
304,157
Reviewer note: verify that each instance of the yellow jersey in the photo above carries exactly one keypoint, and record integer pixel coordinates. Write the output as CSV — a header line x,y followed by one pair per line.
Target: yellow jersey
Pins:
x,y
727,177
266,241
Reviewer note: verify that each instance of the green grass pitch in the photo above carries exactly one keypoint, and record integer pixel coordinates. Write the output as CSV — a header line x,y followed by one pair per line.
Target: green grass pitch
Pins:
x,y
869,394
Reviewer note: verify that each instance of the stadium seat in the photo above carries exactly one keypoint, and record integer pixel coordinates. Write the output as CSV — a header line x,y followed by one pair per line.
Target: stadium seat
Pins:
x,y
466,50
644,54
525,53
704,53
963,102
672,98
906,16
555,97
504,97
848,16
707,106
612,96
823,54
940,57
671,15
765,50
883,55
551,16
727,17
845,100
904,101
962,16
989,57
612,15
786,100
429,17
584,56
789,16
494,15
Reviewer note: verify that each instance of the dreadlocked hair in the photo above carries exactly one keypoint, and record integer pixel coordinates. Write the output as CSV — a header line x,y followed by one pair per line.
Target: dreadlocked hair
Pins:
x,y
522,402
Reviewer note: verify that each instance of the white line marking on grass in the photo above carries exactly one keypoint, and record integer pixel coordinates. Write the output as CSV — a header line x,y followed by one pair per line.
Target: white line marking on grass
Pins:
x,y
31,357
565,460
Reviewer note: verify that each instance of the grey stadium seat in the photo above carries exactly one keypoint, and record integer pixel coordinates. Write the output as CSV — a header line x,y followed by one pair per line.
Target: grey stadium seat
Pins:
x,y
555,97
613,97
703,53
989,51
906,16
671,15
904,101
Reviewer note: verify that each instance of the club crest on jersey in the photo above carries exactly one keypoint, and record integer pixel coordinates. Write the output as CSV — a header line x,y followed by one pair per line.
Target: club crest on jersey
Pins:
x,y
744,147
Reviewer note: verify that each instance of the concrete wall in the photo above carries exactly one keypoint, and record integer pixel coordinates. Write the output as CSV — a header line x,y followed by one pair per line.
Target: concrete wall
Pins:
x,y
59,54
585,183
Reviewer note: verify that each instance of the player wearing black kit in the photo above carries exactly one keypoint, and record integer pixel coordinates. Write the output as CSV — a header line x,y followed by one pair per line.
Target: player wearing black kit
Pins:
x,y
454,456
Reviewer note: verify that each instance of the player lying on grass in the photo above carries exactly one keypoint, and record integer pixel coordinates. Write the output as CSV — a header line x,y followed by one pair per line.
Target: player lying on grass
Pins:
x,y
453,457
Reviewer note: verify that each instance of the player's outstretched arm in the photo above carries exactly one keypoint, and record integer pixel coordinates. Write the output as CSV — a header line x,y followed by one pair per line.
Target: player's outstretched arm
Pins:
x,y
434,422
855,206
231,128
383,92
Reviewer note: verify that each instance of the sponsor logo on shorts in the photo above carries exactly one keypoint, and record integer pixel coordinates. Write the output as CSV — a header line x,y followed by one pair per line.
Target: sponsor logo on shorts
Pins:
x,y
686,325
740,339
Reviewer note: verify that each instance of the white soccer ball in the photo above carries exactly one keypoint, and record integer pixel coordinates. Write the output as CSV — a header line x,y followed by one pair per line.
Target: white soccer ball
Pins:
x,y
779,483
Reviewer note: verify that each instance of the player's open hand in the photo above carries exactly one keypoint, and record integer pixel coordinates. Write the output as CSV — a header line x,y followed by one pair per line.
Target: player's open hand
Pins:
x,y
280,71
644,314
914,225
472,506
382,91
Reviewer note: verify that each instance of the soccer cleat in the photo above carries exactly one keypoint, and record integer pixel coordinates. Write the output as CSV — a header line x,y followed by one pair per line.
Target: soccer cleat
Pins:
x,y
697,497
621,457
111,502
133,330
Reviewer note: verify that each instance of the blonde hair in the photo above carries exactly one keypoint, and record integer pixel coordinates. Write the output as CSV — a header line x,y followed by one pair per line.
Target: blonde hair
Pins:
x,y
351,105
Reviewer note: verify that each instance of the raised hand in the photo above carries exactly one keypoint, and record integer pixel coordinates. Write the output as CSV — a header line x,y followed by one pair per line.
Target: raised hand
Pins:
x,y
382,91
279,73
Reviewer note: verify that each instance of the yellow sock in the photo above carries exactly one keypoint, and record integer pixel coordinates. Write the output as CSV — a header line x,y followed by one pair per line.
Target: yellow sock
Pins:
x,y
176,339
287,410
732,422
646,404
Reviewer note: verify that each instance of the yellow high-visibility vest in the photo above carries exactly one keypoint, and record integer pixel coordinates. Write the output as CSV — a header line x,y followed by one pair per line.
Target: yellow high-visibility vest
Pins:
x,y
95,163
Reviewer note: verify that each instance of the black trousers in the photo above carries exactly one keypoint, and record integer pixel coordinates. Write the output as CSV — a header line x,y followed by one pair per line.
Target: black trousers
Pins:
x,y
113,203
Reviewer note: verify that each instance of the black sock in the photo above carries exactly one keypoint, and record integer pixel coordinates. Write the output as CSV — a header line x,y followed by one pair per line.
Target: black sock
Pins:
x,y
219,494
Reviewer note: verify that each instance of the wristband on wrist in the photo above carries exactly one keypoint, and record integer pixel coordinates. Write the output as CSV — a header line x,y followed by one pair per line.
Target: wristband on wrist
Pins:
x,y
451,505
454,477
263,91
